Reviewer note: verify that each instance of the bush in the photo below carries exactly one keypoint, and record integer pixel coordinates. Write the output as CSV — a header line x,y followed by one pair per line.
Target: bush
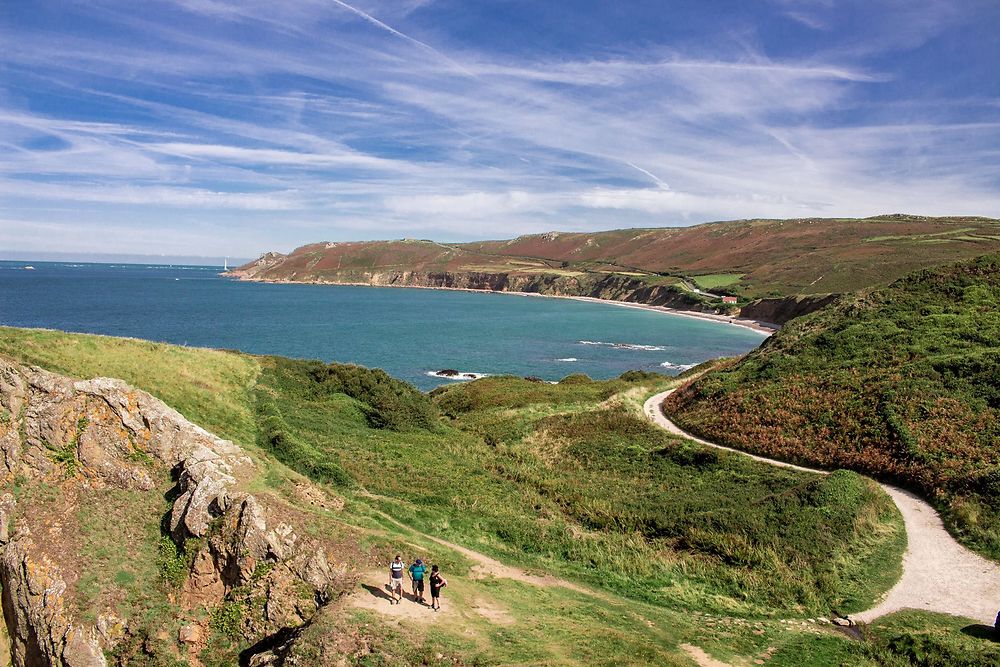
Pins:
x,y
389,403
640,376
576,378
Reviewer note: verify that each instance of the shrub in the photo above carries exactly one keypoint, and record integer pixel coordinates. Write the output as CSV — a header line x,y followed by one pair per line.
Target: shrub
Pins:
x,y
389,403
640,376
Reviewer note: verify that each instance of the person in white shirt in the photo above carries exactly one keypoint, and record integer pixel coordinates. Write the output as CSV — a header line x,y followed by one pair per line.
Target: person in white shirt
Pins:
x,y
396,569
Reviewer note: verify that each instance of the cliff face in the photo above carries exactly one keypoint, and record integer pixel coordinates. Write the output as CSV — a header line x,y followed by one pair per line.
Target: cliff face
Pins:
x,y
781,310
81,440
612,287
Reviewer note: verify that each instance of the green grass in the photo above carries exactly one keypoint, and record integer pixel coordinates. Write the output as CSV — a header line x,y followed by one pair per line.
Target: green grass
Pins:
x,y
119,567
542,475
919,237
565,479
504,622
209,387
713,280
898,383
922,639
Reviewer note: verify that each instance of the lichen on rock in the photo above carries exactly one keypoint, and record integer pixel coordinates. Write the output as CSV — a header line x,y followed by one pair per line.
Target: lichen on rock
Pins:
x,y
78,437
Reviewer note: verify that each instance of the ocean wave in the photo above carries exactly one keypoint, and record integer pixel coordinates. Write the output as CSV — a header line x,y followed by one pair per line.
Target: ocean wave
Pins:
x,y
568,359
671,366
448,374
624,346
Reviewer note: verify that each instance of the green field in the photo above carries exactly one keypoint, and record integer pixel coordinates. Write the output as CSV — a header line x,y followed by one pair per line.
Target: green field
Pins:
x,y
714,280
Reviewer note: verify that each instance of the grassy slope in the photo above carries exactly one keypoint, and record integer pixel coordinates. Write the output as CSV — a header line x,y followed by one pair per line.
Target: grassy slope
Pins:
x,y
514,472
353,259
619,503
900,383
211,388
751,258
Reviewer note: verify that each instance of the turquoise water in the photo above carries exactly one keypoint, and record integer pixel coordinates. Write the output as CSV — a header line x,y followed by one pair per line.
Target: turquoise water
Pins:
x,y
408,332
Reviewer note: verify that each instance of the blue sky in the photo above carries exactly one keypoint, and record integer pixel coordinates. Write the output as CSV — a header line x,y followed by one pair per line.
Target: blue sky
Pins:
x,y
217,127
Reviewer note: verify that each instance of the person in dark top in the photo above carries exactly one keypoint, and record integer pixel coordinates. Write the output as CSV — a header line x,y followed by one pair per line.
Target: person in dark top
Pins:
x,y
437,583
417,571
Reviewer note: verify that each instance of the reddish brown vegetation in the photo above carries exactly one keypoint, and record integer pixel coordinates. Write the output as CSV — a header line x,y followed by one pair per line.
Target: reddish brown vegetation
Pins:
x,y
900,383
776,257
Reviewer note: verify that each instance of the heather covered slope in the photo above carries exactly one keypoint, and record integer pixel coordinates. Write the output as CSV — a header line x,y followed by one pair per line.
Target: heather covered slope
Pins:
x,y
748,258
775,257
902,383
360,258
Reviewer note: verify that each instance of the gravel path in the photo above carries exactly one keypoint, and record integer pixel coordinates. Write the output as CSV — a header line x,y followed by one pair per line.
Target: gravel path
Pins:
x,y
939,574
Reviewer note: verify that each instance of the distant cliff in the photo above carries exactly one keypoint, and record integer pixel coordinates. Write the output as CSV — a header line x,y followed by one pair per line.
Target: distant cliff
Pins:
x,y
612,287
609,286
776,269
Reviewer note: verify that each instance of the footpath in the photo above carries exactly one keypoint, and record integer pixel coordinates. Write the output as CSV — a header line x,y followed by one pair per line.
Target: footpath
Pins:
x,y
939,574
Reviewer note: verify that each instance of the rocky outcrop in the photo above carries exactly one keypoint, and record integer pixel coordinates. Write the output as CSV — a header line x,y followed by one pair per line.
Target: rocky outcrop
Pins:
x,y
781,310
259,266
42,631
84,436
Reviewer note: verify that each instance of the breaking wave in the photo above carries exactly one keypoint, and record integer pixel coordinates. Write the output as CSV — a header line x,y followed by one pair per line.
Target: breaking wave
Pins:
x,y
671,366
449,374
624,346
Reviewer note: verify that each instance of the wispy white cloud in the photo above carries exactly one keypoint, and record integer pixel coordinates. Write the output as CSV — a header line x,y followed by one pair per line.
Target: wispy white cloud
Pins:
x,y
368,119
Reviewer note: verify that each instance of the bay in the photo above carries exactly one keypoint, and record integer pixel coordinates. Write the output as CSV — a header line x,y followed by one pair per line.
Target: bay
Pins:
x,y
410,333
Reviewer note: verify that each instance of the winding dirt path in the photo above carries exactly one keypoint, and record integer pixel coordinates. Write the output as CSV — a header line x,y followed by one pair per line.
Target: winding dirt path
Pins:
x,y
939,574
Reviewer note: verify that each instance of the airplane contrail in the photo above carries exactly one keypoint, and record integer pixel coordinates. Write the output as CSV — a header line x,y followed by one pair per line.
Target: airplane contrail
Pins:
x,y
661,183
388,28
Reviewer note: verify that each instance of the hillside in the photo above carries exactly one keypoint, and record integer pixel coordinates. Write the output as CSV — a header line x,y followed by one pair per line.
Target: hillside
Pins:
x,y
413,263
679,267
774,257
572,531
900,383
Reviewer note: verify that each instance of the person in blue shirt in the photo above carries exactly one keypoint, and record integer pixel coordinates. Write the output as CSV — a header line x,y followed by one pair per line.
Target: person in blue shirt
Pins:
x,y
417,571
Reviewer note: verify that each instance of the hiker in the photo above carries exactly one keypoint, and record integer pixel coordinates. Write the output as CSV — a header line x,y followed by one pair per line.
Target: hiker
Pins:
x,y
396,580
417,571
437,583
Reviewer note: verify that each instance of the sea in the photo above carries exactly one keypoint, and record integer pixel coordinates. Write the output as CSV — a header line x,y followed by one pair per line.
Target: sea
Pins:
x,y
412,334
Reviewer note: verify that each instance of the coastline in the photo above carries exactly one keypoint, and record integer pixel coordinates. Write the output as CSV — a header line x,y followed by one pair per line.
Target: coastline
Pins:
x,y
765,328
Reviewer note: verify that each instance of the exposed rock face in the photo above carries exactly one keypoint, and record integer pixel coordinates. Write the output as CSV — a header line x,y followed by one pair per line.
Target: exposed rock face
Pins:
x,y
259,266
101,433
780,311
41,630
613,287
